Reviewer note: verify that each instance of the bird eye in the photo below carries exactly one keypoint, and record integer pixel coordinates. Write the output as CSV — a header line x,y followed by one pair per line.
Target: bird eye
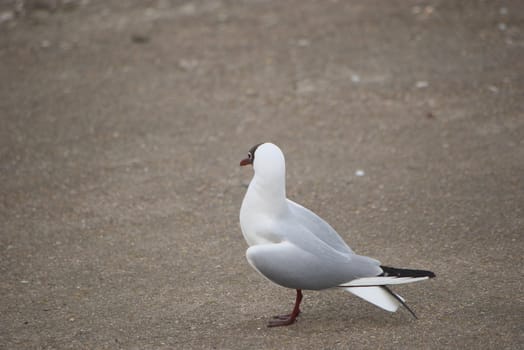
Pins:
x,y
249,155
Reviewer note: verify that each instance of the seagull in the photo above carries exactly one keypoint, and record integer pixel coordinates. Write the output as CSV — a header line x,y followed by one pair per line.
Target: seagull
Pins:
x,y
295,248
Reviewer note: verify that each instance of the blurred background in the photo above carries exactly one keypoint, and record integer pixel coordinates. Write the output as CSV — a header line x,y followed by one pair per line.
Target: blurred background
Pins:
x,y
122,124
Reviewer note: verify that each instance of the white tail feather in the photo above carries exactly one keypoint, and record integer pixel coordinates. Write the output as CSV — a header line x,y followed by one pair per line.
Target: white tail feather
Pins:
x,y
377,296
381,281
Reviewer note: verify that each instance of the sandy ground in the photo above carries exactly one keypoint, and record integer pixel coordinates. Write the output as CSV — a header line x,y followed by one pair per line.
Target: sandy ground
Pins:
x,y
123,122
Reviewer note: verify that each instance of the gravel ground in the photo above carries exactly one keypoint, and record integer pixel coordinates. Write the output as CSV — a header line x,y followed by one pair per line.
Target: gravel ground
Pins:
x,y
123,122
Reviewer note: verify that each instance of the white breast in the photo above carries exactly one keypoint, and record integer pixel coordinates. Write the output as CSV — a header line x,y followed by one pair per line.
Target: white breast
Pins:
x,y
257,218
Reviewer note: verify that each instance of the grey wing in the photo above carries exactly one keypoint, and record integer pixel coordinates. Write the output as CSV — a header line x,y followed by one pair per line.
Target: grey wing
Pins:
x,y
305,262
317,226
290,266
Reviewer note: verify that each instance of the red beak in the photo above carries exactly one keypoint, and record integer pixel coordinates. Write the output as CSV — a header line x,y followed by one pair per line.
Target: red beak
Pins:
x,y
246,161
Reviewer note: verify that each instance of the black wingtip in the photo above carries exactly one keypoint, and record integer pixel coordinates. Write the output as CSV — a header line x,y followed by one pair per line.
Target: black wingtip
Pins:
x,y
392,271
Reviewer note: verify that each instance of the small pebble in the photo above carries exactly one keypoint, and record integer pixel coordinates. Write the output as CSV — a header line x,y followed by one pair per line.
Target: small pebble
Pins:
x,y
188,64
360,172
303,42
6,16
493,89
421,84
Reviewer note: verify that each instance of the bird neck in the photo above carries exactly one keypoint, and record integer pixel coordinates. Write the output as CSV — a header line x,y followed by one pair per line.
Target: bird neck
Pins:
x,y
270,192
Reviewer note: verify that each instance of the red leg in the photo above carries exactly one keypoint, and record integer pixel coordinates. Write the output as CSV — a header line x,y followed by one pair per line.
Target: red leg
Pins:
x,y
284,320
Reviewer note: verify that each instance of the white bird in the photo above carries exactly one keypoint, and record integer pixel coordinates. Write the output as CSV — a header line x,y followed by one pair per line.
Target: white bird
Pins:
x,y
294,248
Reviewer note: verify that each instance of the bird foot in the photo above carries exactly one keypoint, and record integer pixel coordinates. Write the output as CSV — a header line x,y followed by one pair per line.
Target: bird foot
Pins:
x,y
283,320
285,317
286,320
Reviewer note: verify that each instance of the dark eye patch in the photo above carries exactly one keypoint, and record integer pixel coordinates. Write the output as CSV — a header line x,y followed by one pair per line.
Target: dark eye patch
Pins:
x,y
251,153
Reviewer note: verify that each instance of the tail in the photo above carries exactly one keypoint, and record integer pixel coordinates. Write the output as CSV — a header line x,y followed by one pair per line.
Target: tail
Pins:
x,y
375,290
